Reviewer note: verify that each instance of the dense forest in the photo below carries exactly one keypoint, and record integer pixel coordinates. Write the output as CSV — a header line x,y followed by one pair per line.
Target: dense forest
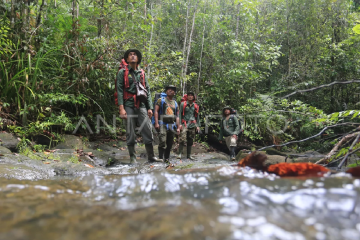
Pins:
x,y
289,67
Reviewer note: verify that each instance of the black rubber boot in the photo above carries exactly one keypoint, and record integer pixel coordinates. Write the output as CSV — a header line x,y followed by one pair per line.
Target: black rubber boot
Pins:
x,y
167,154
188,152
169,144
188,148
232,153
131,149
181,147
150,152
161,152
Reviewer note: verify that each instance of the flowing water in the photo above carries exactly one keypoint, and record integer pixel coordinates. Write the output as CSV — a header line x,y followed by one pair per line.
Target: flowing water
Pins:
x,y
218,203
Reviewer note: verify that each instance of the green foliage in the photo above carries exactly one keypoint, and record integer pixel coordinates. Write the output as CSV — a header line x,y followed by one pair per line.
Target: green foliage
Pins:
x,y
6,45
62,67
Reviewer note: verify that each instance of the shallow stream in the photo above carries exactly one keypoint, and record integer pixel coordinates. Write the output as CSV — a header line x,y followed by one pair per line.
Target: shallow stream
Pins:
x,y
218,203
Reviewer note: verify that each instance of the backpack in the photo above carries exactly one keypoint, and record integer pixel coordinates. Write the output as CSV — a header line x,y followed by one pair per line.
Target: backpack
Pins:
x,y
127,95
233,113
184,100
162,96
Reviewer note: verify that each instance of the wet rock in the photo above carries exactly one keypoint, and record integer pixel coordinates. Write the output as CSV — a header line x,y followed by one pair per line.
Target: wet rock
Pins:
x,y
4,150
274,159
69,169
72,142
240,156
273,151
103,158
24,168
63,151
9,141
271,159
308,156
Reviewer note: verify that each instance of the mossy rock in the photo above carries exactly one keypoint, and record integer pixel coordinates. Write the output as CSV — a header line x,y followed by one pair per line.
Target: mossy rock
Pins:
x,y
72,142
9,141
4,150
240,156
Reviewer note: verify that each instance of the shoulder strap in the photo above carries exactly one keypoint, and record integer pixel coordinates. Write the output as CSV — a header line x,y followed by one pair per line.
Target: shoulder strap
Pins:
x,y
222,123
162,106
196,106
126,77
142,77
176,108
183,112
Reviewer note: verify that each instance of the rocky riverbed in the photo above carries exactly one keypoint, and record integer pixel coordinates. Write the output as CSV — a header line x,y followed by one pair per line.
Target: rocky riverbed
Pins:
x,y
88,190
76,157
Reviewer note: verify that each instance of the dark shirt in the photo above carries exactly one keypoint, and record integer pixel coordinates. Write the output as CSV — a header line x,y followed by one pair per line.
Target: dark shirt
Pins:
x,y
229,127
131,89
189,115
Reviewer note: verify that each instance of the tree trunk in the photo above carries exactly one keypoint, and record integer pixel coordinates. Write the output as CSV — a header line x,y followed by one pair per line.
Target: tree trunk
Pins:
x,y
101,18
288,39
151,36
12,14
185,38
201,54
237,23
189,46
38,18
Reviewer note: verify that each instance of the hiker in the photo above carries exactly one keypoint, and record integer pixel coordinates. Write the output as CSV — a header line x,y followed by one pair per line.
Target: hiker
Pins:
x,y
190,123
166,122
229,129
131,108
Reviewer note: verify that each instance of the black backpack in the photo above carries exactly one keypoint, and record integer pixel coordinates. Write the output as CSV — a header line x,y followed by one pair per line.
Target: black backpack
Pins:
x,y
233,113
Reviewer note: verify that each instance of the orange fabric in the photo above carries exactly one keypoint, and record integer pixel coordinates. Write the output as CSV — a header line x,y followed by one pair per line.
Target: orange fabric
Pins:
x,y
355,171
128,95
254,160
184,122
297,169
196,106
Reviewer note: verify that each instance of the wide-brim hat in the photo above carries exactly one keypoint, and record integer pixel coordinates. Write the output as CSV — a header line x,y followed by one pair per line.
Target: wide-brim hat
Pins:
x,y
170,86
226,107
138,54
190,93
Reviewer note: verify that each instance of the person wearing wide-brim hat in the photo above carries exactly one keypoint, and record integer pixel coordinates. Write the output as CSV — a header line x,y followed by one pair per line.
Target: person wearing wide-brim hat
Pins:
x,y
226,108
137,52
166,122
170,87
229,129
129,104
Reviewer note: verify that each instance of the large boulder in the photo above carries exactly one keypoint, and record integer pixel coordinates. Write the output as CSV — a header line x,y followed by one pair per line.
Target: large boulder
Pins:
x,y
4,150
9,141
71,142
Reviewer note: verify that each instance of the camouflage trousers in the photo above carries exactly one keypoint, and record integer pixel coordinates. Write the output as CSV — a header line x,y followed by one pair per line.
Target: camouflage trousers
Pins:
x,y
166,137
230,141
187,135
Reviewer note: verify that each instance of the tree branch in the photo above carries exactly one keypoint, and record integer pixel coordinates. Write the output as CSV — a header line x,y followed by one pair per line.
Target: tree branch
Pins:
x,y
336,147
314,136
321,86
336,160
351,147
